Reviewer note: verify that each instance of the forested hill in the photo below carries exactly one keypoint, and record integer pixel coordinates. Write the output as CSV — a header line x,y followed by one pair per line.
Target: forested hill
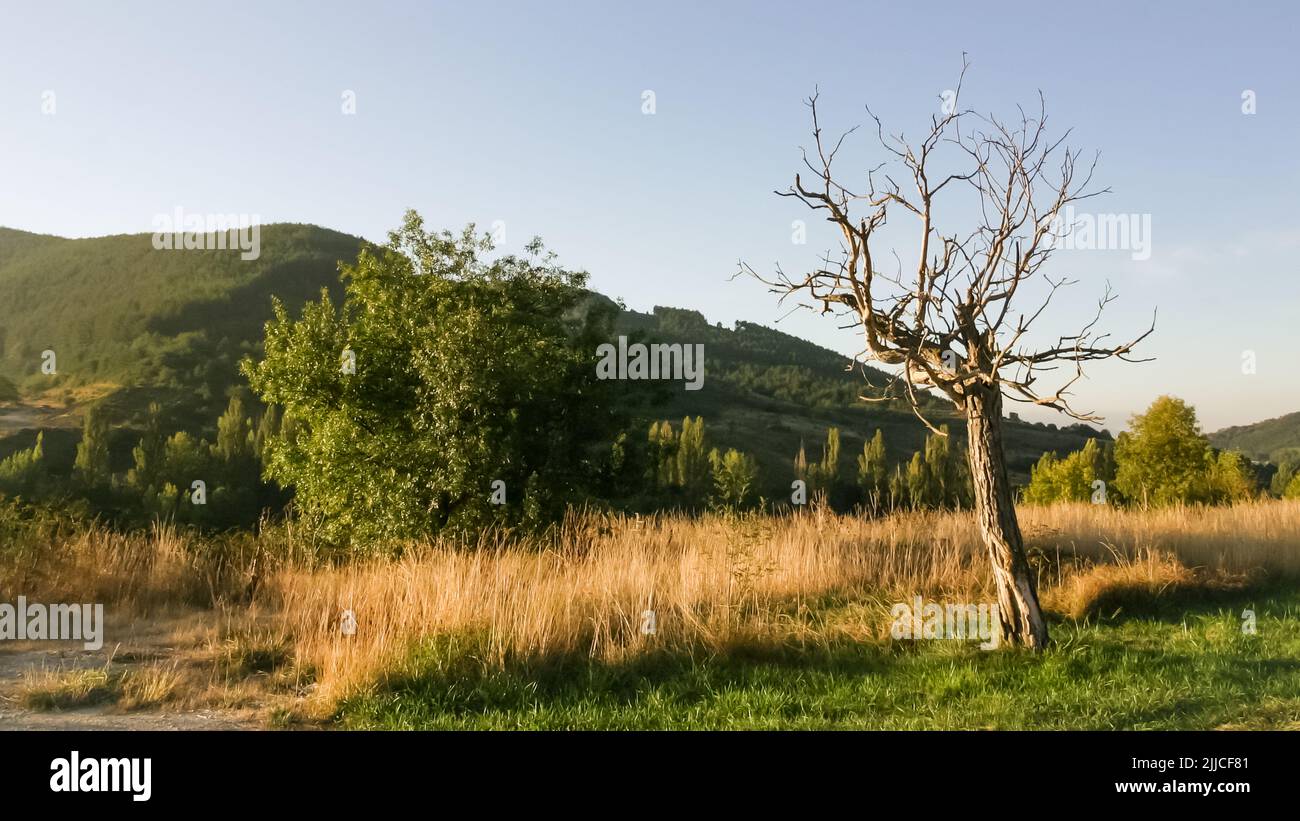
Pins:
x,y
768,393
118,312
134,324
765,361
1262,440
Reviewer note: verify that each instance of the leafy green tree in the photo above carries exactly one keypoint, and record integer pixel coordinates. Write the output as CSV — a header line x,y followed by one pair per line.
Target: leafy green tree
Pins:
x,y
187,460
1045,486
23,472
1231,478
938,480
238,495
936,477
442,374
1067,480
828,469
628,472
267,428
693,468
663,455
1106,466
148,455
946,472
234,434
897,488
1162,459
919,484
802,471
873,472
1288,465
822,475
166,502
92,465
735,475
1292,490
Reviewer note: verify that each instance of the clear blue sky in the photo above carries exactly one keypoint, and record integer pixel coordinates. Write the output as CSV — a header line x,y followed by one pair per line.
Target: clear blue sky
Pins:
x,y
530,113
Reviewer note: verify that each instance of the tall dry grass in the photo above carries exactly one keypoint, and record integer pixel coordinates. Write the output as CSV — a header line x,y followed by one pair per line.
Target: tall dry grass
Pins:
x,y
711,582
138,573
720,580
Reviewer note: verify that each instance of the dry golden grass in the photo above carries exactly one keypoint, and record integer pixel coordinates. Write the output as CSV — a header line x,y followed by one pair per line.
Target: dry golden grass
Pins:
x,y
139,574
131,688
716,581
1140,585
46,689
1260,534
188,666
712,582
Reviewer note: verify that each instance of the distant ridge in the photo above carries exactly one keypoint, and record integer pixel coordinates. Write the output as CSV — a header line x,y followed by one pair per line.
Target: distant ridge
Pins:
x,y
1262,439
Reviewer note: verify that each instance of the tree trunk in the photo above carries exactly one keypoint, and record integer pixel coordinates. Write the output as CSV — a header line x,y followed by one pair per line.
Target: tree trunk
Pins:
x,y
1021,618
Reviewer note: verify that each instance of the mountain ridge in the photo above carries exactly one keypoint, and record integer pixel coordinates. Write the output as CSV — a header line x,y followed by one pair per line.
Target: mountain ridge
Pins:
x,y
1260,440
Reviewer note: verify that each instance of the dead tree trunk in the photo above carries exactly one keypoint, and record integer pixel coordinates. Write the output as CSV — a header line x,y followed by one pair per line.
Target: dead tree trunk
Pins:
x,y
1021,618
952,326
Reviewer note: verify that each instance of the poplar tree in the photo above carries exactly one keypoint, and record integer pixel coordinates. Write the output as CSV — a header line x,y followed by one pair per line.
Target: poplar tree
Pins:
x,y
92,464
873,472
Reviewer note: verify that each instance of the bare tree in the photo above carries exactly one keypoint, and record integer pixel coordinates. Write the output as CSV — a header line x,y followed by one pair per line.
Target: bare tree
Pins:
x,y
951,325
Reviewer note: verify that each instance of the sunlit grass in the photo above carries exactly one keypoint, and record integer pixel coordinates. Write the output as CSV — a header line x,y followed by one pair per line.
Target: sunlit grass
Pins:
x,y
1203,672
760,621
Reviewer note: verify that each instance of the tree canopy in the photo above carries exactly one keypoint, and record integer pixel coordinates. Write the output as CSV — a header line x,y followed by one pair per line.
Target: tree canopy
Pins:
x,y
449,390
1163,459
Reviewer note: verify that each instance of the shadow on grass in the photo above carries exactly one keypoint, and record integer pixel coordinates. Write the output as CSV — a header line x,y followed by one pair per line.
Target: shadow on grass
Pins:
x,y
1176,602
1103,675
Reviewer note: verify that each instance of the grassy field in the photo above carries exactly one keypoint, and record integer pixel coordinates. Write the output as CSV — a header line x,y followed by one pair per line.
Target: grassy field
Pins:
x,y
1195,671
761,622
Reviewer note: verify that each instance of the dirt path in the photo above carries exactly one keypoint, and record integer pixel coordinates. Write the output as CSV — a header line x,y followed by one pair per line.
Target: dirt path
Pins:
x,y
100,719
18,661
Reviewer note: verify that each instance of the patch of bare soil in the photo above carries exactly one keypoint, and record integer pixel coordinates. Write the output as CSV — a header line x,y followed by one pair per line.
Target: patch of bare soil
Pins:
x,y
152,644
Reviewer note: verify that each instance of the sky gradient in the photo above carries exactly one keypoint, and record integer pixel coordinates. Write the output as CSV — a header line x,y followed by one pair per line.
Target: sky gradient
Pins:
x,y
532,114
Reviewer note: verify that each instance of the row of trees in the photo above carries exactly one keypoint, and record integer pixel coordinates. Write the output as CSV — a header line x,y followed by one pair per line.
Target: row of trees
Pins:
x,y
1285,481
179,477
936,477
1162,459
685,470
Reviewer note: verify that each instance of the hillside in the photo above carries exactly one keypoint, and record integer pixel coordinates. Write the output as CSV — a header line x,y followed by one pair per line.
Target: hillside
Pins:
x,y
119,314
1260,440
767,393
130,324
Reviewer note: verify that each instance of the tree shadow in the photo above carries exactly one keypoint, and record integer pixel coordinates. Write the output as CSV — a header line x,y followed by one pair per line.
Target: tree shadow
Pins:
x,y
451,679
1177,602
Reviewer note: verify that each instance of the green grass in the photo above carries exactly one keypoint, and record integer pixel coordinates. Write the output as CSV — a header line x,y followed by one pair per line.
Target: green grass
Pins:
x,y
1194,670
